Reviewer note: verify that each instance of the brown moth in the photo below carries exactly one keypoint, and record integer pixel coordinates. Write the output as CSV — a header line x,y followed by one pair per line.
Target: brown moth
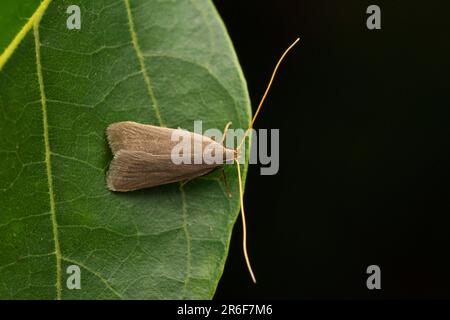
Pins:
x,y
143,156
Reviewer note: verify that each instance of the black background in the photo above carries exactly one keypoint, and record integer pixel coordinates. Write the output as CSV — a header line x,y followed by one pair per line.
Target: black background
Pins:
x,y
364,119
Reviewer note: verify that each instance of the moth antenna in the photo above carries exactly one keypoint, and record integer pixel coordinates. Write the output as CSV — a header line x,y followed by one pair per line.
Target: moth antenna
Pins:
x,y
267,91
244,224
225,131
241,192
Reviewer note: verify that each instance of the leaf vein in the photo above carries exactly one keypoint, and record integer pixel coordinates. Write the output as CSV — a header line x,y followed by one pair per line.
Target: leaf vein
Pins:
x,y
48,157
4,225
140,56
76,160
205,67
95,273
188,239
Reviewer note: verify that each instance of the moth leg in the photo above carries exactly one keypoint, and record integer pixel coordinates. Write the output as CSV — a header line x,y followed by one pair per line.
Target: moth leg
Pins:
x,y
225,132
184,182
227,187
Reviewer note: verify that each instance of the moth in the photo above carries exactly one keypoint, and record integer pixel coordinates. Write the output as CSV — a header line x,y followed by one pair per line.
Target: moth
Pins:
x,y
143,156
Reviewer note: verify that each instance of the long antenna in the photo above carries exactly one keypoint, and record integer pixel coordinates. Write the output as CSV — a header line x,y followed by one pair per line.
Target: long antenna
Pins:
x,y
244,224
267,90
241,191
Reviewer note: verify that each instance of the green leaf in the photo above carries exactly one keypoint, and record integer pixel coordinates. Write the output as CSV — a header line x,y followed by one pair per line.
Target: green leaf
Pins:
x,y
14,14
158,62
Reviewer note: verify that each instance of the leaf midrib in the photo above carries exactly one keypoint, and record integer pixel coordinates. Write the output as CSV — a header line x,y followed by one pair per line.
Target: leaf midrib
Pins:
x,y
48,155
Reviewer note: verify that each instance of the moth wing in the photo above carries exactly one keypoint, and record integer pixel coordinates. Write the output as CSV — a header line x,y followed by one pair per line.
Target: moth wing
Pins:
x,y
133,170
133,136
128,135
